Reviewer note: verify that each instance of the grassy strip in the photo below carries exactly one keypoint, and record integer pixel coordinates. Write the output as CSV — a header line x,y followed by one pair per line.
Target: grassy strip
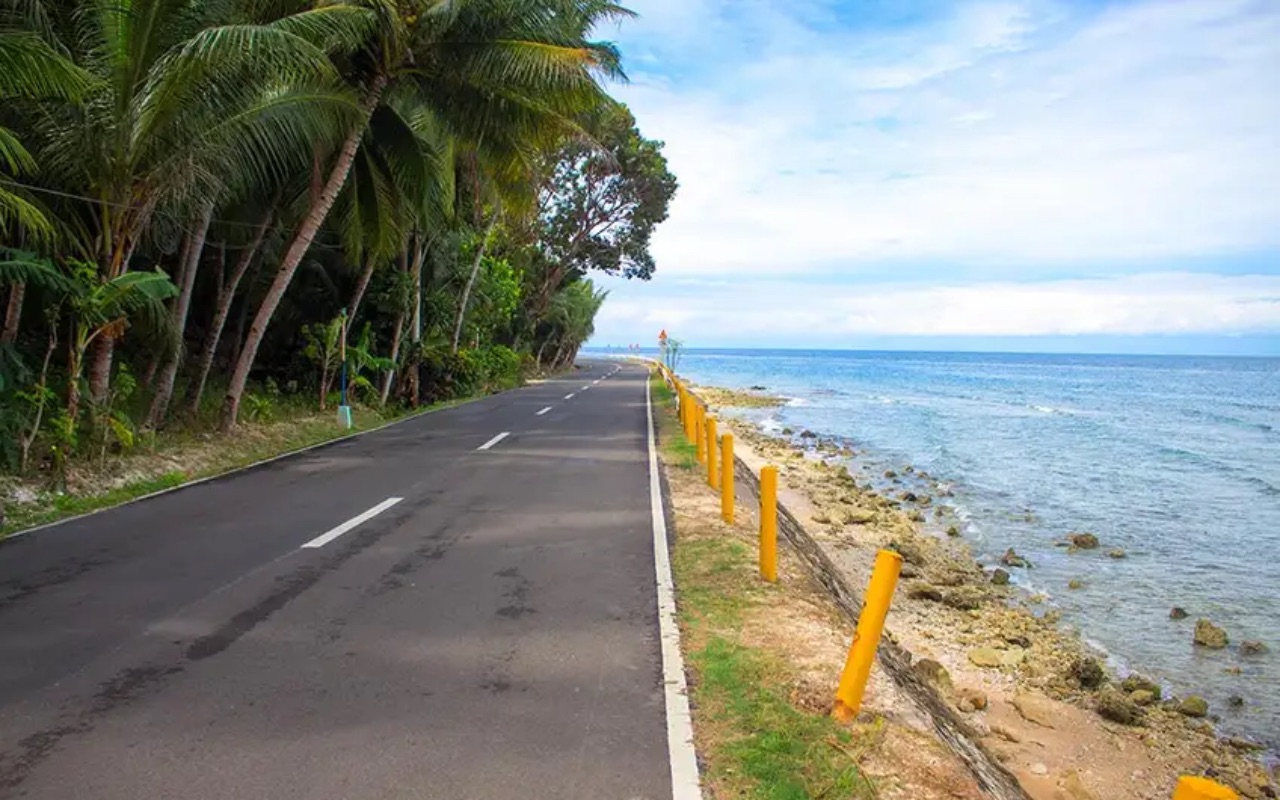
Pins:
x,y
268,440
753,741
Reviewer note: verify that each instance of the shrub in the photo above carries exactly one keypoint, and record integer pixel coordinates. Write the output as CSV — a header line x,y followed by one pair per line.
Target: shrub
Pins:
x,y
501,365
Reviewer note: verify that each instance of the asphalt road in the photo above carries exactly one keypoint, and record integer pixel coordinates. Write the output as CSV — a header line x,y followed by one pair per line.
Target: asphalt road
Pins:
x,y
492,634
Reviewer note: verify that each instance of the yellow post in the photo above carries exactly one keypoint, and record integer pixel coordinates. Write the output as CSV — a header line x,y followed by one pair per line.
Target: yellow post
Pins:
x,y
769,523
1193,788
726,477
689,417
699,429
686,412
857,668
712,480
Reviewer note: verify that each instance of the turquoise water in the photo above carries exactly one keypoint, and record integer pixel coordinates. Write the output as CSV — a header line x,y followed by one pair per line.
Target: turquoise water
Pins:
x,y
1176,460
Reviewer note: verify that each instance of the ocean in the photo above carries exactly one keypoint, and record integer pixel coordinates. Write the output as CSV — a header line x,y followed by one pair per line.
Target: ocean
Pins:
x,y
1174,459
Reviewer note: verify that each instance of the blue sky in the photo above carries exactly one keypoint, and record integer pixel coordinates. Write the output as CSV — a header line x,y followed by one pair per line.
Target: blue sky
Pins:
x,y
857,173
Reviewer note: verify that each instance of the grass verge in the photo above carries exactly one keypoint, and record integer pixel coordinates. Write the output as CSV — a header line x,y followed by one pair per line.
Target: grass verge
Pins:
x,y
149,467
753,741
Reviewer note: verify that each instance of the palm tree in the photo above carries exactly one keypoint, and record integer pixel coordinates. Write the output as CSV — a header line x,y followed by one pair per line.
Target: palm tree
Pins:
x,y
573,312
106,308
180,103
29,70
511,70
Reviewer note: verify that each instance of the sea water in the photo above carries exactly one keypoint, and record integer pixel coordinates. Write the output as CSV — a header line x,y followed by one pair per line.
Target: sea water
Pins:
x,y
1174,459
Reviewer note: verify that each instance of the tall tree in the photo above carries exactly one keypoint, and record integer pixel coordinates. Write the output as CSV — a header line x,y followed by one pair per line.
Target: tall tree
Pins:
x,y
599,201
512,70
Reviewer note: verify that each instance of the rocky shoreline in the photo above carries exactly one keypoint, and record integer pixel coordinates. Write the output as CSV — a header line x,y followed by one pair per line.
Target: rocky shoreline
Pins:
x,y
1034,694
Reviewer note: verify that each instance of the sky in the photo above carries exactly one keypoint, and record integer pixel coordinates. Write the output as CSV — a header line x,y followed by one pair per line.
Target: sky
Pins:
x,y
1078,175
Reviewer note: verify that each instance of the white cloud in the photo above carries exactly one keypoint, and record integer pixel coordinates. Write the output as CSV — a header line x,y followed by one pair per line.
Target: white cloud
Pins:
x,y
725,312
1013,138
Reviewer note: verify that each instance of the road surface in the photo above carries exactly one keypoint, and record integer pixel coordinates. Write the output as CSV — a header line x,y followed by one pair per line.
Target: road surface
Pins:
x,y
432,610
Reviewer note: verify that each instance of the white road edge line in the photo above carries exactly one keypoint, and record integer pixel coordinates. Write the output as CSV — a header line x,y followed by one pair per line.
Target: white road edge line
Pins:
x,y
543,411
584,388
329,536
569,396
684,761
494,440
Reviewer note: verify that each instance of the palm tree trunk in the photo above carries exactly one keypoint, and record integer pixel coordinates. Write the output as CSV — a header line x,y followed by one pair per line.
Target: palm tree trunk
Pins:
x,y
361,287
178,319
293,256
226,296
389,375
419,256
471,282
13,313
100,369
122,243
398,329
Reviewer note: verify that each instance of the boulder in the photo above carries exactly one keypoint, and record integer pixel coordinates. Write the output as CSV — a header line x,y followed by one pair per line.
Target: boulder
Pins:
x,y
952,530
910,551
1075,583
1177,612
963,598
915,516
1235,701
1135,683
1034,708
1084,541
888,473
1012,559
1117,552
1142,697
924,591
908,497
970,700
1252,648
788,431
933,673
985,657
1193,706
908,469
925,500
1209,635
1000,577
857,516
1087,671
1117,707
808,434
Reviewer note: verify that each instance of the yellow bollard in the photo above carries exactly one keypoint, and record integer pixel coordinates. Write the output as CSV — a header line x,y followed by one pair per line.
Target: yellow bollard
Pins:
x,y
726,477
769,523
688,417
862,653
712,479
1193,788
699,429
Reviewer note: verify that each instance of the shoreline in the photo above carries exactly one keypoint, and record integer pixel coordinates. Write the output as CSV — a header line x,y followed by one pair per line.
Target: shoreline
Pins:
x,y
1056,714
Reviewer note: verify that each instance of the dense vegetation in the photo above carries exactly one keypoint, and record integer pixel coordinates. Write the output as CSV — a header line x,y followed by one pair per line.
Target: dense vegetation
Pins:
x,y
207,203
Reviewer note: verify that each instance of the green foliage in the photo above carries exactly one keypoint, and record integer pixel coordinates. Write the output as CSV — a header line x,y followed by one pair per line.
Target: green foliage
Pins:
x,y
258,407
500,366
446,375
